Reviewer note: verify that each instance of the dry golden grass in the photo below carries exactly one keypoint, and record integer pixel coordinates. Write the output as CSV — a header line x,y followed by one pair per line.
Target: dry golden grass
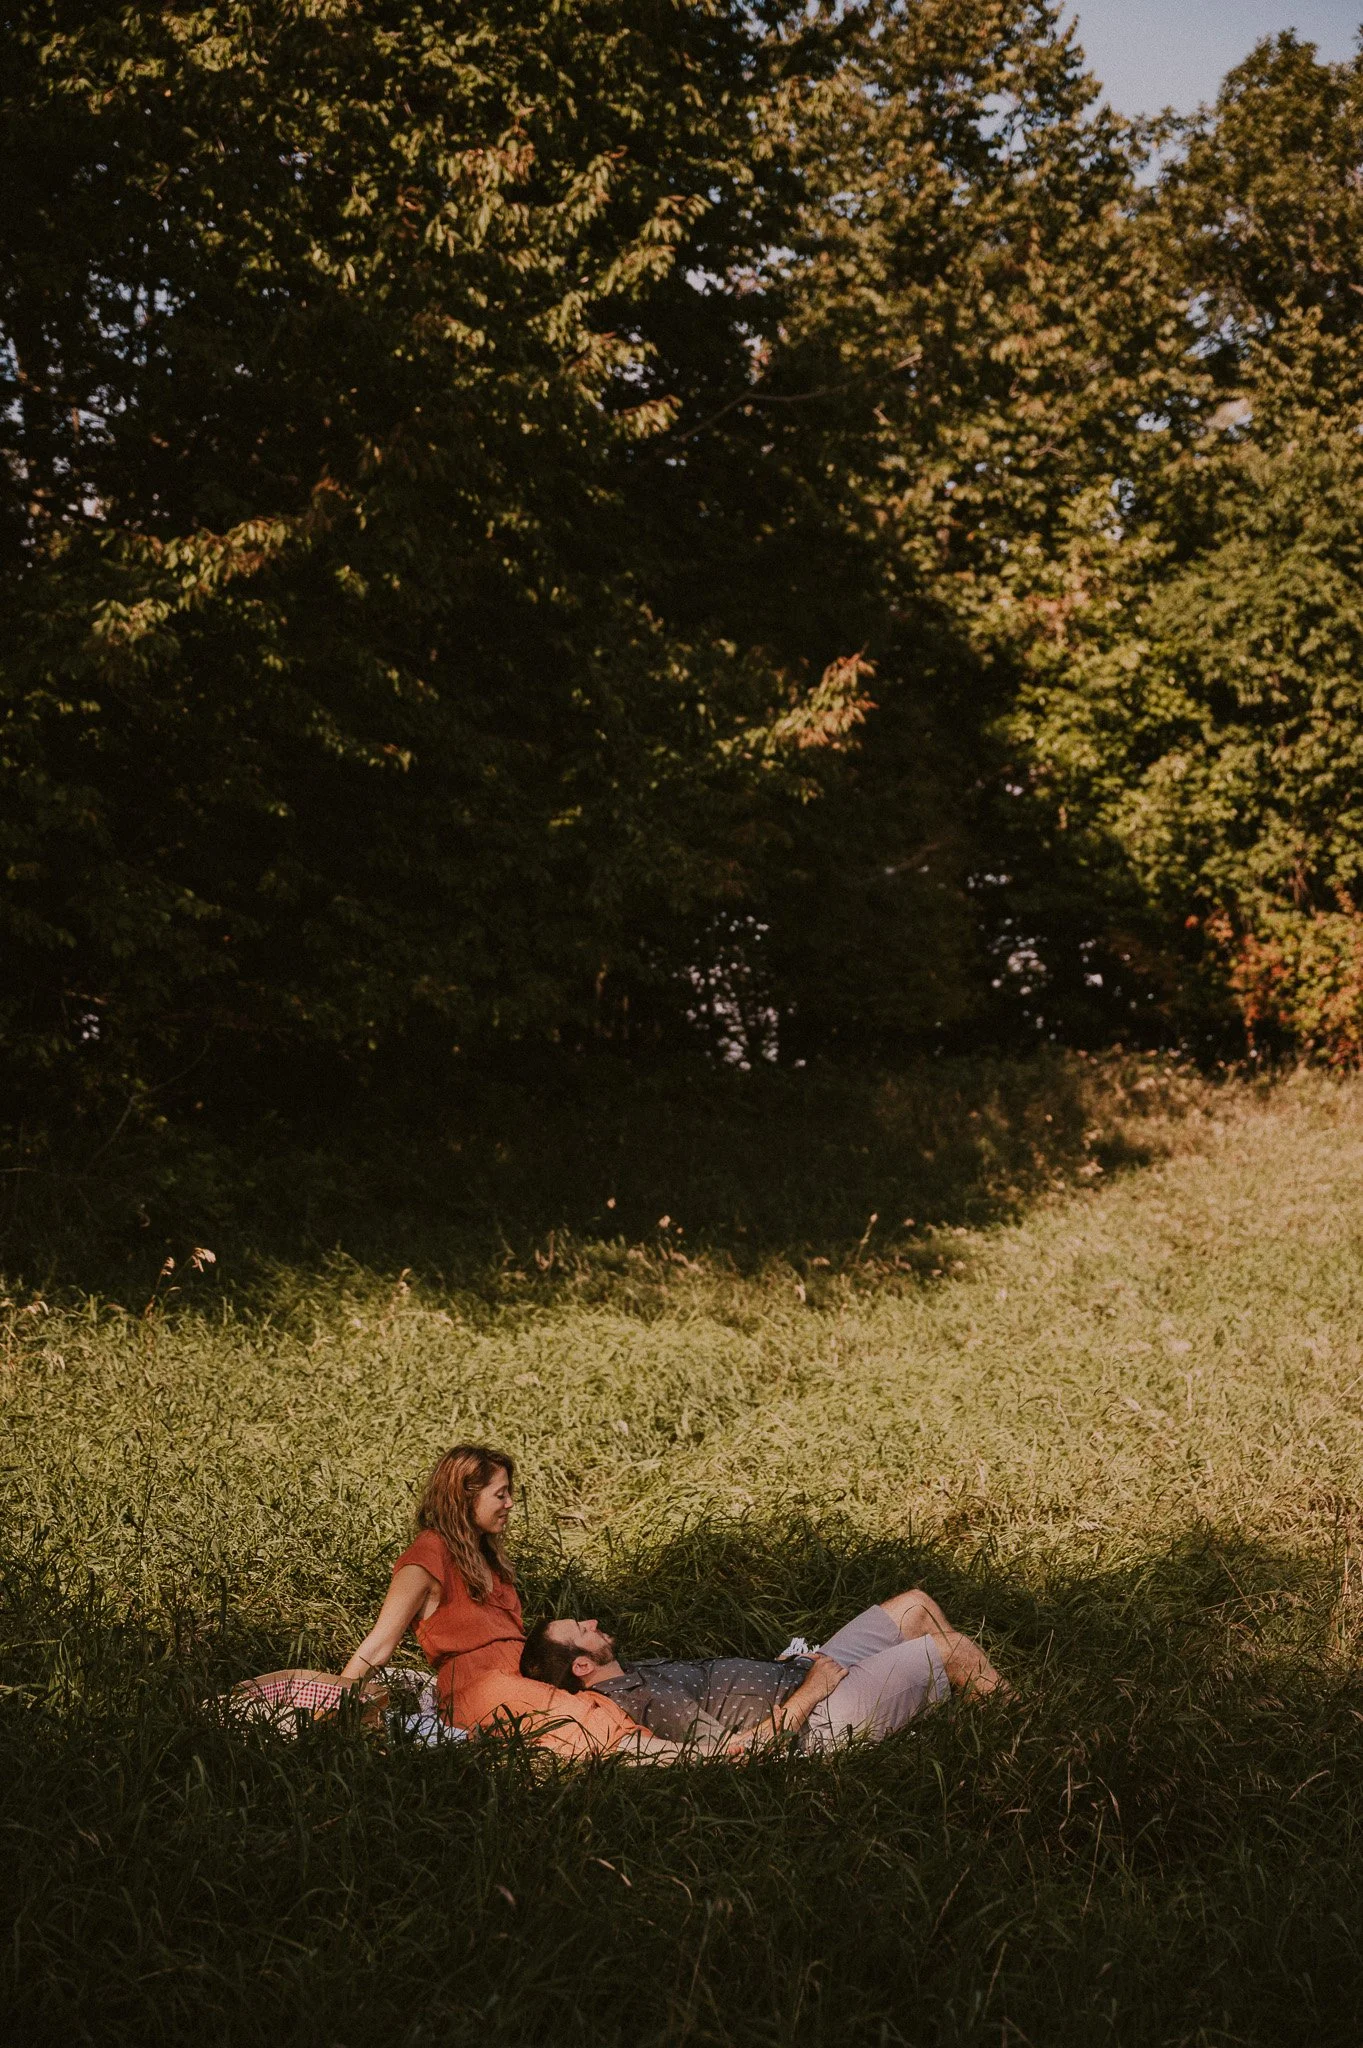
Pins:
x,y
1123,1433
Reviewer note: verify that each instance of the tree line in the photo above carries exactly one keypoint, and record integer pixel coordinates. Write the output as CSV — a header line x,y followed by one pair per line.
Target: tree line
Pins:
x,y
563,522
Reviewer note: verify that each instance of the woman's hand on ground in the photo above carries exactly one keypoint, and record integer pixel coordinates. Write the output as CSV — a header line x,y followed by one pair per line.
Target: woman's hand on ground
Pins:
x,y
411,1588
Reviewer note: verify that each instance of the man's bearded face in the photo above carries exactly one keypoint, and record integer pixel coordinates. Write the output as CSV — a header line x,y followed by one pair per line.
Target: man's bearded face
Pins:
x,y
586,1639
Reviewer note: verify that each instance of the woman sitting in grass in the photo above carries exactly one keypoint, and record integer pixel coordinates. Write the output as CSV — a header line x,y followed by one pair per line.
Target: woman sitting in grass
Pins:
x,y
455,1587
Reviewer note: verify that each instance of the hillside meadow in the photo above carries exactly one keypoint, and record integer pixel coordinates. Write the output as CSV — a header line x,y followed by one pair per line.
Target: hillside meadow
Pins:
x,y
1103,1396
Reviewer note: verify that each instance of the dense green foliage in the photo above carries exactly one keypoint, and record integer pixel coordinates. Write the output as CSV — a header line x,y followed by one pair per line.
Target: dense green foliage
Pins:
x,y
1119,1439
1198,710
339,705
586,523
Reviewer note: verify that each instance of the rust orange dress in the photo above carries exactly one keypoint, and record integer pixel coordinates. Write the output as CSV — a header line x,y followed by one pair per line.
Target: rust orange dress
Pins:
x,y
474,1648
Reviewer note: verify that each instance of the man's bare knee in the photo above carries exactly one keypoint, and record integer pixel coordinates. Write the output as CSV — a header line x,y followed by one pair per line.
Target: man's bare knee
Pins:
x,y
915,1613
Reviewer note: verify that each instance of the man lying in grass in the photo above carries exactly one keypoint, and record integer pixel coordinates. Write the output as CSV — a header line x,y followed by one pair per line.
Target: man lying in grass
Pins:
x,y
565,1691
868,1680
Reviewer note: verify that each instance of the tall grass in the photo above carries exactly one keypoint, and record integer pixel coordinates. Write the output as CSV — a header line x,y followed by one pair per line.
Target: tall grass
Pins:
x,y
1108,1411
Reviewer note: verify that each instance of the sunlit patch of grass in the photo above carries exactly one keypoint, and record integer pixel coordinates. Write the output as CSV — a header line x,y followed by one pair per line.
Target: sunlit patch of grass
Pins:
x,y
1116,1428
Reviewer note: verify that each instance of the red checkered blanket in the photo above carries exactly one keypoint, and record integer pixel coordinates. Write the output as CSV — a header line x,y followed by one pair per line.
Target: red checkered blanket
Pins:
x,y
279,1695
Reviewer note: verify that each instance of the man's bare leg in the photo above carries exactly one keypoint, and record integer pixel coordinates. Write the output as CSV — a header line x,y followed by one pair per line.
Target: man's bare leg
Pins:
x,y
916,1613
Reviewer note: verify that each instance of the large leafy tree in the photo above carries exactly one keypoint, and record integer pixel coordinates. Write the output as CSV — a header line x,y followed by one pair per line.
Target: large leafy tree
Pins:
x,y
339,707
525,522
1197,715
956,346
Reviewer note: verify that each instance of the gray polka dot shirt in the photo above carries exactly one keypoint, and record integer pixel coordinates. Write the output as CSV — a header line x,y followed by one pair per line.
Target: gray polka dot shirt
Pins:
x,y
695,1698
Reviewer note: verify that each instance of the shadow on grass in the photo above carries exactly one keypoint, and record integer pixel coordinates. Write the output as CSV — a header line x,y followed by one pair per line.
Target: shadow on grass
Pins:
x,y
736,1587
1156,1843
504,1186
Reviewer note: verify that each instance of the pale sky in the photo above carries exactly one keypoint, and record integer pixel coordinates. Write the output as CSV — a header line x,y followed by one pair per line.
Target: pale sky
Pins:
x,y
1157,53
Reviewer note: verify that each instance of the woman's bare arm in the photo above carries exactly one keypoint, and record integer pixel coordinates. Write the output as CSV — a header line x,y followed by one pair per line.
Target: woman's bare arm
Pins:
x,y
411,1588
643,1747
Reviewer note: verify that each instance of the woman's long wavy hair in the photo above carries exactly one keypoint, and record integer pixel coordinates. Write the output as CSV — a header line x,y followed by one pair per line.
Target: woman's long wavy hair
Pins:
x,y
447,1504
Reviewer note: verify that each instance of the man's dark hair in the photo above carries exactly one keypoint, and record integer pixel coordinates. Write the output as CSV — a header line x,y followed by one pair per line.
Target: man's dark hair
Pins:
x,y
549,1661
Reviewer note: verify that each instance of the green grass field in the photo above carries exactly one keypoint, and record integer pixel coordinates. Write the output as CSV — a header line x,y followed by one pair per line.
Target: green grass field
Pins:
x,y
1104,1398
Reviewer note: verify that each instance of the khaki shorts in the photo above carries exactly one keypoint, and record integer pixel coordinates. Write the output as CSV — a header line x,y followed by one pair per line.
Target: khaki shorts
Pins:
x,y
888,1681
